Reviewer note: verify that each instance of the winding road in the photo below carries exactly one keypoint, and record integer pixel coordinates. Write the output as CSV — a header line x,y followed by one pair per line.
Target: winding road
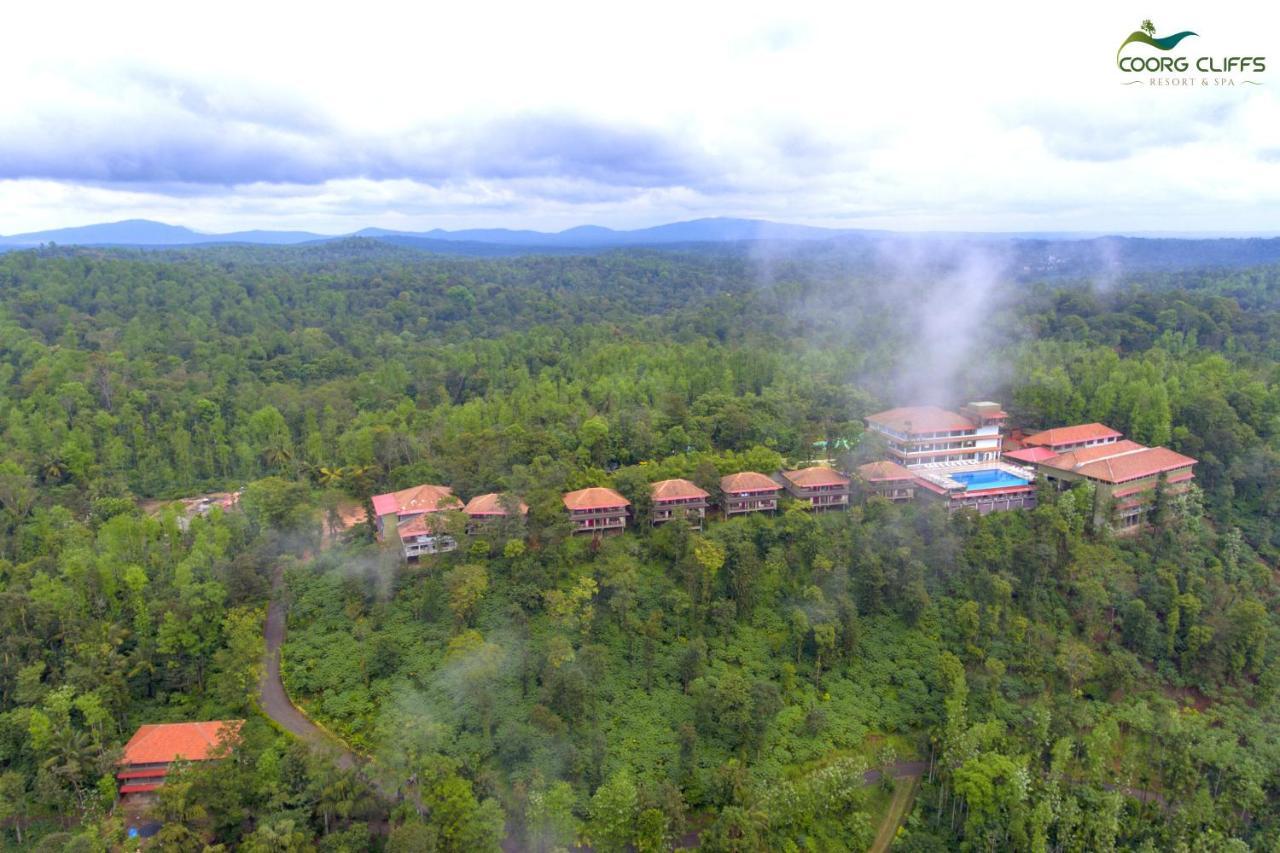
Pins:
x,y
275,702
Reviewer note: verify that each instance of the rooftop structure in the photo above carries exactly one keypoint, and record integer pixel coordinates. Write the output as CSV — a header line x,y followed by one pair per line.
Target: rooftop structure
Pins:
x,y
920,436
889,480
482,506
597,510
1061,439
153,748
484,510
820,486
1126,475
749,491
679,499
1029,455
404,512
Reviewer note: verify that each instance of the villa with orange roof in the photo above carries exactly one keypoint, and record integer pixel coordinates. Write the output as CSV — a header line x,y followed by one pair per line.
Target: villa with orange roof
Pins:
x,y
749,491
1127,476
414,515
153,748
679,499
821,487
889,480
483,509
597,510
928,435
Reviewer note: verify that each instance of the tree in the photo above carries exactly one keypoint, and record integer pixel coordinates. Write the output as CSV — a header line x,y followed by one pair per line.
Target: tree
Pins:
x,y
462,824
277,504
280,836
549,820
613,814
466,585
1148,27
15,801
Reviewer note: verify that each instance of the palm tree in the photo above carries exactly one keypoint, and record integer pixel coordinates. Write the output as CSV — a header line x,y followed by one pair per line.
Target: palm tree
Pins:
x,y
1149,28
53,469
278,454
282,836
72,759
341,798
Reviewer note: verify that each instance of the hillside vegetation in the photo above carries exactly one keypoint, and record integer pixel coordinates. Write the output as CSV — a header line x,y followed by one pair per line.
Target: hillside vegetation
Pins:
x,y
1064,689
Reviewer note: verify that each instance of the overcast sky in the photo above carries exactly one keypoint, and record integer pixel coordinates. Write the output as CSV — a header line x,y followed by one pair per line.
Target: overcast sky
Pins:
x,y
548,115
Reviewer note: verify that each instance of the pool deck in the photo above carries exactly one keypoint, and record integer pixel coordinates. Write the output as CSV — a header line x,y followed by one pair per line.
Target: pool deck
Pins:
x,y
940,475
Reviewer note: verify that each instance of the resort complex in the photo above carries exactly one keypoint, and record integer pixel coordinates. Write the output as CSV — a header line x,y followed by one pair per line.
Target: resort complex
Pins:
x,y
959,459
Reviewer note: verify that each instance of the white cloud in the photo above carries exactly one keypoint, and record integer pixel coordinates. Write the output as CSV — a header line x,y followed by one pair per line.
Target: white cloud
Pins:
x,y
551,115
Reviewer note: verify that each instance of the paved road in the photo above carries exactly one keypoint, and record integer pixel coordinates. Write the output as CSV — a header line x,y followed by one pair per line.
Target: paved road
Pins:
x,y
275,702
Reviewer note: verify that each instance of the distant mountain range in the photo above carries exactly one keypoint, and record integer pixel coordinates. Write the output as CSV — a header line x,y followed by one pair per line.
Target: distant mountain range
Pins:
x,y
1035,253
144,232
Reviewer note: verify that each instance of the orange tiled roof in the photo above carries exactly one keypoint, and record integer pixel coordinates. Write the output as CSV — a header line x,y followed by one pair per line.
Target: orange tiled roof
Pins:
x,y
818,475
426,498
917,419
597,497
1030,455
876,471
677,489
164,742
427,524
1071,435
490,504
1069,460
1126,461
748,481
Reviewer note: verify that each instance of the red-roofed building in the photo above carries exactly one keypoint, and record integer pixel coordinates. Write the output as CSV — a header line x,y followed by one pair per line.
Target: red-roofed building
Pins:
x,y
406,511
597,510
153,748
822,487
749,491
1062,439
1126,475
679,499
1029,455
889,480
928,435
483,509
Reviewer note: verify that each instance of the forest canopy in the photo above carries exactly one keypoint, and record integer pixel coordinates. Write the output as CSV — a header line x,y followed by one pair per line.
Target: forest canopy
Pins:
x,y
1050,686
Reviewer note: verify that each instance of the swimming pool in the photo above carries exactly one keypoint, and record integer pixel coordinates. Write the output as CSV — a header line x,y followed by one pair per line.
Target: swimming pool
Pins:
x,y
993,478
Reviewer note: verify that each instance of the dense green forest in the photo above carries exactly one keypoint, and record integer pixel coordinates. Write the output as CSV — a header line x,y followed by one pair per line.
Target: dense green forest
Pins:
x,y
1052,687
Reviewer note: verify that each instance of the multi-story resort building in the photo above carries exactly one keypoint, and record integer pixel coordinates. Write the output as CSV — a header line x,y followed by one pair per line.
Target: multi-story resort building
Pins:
x,y
482,510
928,435
889,480
678,499
597,510
1127,476
153,748
954,456
820,487
749,491
413,517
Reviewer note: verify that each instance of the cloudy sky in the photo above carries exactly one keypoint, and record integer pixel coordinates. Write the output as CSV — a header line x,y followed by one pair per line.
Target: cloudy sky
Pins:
x,y
549,115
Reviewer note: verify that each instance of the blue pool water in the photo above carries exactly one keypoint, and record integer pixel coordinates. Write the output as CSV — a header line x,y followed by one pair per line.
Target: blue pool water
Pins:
x,y
994,478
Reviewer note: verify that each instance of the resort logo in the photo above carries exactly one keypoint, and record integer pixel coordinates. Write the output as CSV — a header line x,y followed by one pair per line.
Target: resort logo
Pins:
x,y
1146,34
1166,66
